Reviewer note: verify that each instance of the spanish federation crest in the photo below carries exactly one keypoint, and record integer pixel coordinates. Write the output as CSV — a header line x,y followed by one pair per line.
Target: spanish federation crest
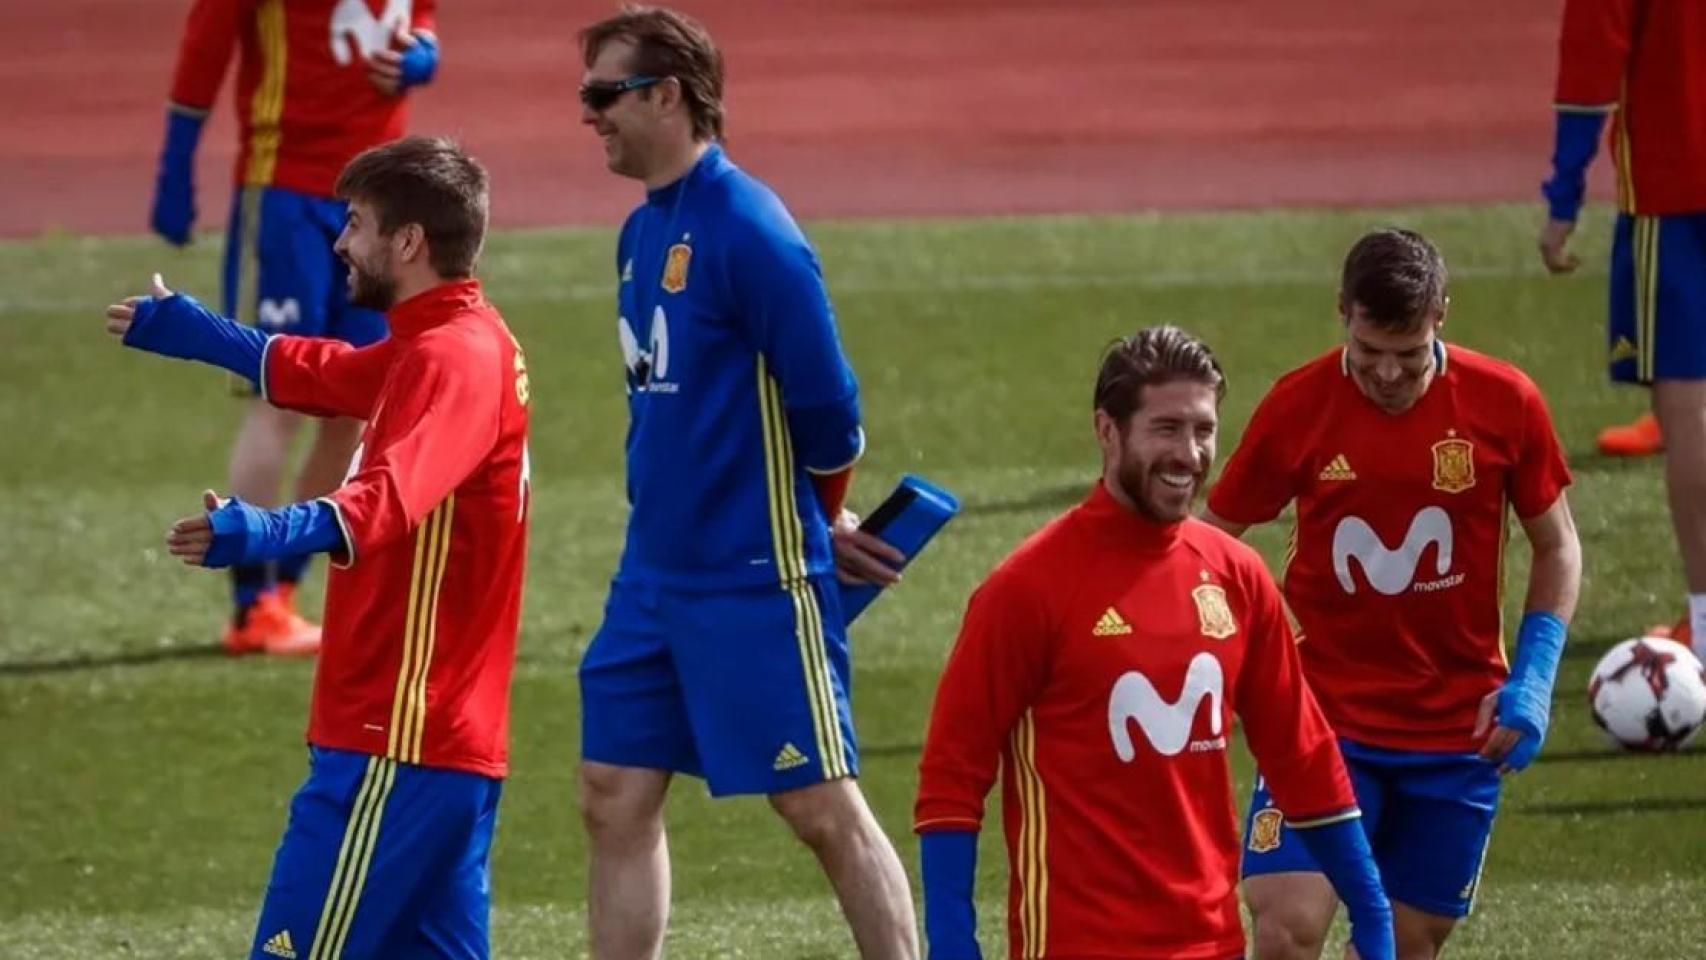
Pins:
x,y
1213,613
1265,830
1454,465
675,268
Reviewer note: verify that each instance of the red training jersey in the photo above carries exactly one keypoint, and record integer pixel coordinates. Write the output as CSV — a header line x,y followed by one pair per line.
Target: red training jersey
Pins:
x,y
1396,566
1100,665
421,614
304,104
1645,59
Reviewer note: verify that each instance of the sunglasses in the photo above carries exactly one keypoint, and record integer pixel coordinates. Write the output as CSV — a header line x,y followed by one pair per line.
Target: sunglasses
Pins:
x,y
600,95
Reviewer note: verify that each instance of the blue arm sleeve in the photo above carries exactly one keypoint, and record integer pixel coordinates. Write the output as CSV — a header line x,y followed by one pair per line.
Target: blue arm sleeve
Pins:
x,y
244,534
948,862
783,308
1525,701
1575,142
173,211
420,61
1341,848
180,326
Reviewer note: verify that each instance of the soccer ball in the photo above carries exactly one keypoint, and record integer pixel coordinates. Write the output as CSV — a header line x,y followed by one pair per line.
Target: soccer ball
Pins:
x,y
1649,694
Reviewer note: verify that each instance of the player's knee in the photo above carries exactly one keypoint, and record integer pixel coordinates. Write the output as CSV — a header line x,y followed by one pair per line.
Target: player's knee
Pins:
x,y
823,816
618,801
1282,933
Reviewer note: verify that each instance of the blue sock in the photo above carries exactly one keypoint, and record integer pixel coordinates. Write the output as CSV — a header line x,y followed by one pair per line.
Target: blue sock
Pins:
x,y
247,585
292,568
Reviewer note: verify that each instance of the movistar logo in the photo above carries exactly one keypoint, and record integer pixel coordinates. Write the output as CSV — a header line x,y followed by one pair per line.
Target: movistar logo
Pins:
x,y
1166,725
1389,571
356,31
648,369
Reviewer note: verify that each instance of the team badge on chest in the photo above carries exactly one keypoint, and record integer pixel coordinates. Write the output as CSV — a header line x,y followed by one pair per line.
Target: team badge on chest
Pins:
x,y
1214,614
675,268
1454,464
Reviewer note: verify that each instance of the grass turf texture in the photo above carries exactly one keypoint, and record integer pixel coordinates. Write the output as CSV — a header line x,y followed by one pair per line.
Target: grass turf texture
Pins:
x,y
146,776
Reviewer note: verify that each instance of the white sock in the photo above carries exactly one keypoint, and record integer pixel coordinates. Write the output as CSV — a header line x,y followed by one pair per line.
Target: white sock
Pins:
x,y
1697,622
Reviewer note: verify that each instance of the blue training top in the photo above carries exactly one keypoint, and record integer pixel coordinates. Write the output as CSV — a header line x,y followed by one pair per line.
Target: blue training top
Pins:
x,y
737,386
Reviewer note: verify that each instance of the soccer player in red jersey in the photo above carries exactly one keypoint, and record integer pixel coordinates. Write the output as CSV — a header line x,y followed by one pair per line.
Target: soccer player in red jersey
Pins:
x,y
1643,63
1405,458
387,847
318,81
1099,666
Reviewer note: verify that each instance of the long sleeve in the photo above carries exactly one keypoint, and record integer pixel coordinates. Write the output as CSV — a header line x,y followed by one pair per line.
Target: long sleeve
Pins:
x,y
439,419
1593,53
1259,479
998,665
785,312
326,378
424,17
1283,726
210,36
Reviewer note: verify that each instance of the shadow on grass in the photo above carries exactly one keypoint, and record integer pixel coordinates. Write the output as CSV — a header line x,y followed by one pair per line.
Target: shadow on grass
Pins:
x,y
1599,808
99,661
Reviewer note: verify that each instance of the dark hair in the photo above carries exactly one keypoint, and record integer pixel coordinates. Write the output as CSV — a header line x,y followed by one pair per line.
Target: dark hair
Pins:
x,y
1398,278
668,44
1151,357
429,181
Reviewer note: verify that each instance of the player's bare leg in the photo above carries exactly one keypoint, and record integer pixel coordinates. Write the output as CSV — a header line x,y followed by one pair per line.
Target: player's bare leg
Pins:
x,y
262,621
261,453
1292,912
1420,935
835,822
1681,409
328,460
628,886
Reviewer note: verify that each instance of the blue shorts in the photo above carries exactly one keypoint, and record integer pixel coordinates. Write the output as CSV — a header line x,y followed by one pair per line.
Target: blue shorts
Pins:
x,y
745,688
1658,298
383,860
280,272
1428,817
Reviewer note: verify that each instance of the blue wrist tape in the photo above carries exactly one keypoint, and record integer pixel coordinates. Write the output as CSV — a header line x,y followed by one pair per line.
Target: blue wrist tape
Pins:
x,y
948,864
1342,851
1576,140
907,520
420,61
181,326
1525,701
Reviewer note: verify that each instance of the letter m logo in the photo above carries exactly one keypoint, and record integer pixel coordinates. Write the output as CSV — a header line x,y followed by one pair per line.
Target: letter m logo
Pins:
x,y
1166,725
1391,571
278,314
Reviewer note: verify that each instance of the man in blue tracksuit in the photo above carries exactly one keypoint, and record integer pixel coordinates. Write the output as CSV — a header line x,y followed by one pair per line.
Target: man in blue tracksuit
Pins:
x,y
723,651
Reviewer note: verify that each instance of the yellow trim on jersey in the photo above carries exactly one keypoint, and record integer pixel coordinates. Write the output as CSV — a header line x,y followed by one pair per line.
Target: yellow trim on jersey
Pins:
x,y
786,531
420,633
1032,868
355,855
267,106
1625,160
1505,513
820,687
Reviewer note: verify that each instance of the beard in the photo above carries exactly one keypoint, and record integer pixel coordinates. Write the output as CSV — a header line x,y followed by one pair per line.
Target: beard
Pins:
x,y
1160,503
370,288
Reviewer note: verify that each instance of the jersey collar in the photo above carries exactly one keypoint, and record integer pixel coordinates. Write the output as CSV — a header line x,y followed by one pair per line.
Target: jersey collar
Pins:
x,y
711,162
1128,526
433,306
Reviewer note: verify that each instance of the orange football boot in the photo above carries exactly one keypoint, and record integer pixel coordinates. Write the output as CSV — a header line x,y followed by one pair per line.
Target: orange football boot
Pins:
x,y
1639,438
1681,632
272,627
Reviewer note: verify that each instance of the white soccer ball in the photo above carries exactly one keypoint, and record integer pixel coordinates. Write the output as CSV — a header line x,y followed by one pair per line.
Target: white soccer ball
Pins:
x,y
1649,694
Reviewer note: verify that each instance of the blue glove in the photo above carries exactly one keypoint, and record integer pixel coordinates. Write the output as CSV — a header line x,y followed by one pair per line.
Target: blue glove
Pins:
x,y
178,325
420,62
948,862
1341,848
1575,141
247,535
1525,701
173,213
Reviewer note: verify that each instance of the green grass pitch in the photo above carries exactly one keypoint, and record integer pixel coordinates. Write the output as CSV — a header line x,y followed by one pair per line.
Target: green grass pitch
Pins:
x,y
145,777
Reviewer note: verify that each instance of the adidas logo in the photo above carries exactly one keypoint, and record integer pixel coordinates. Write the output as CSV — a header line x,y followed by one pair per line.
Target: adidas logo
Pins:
x,y
280,946
1338,469
628,271
788,758
1111,625
1623,349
